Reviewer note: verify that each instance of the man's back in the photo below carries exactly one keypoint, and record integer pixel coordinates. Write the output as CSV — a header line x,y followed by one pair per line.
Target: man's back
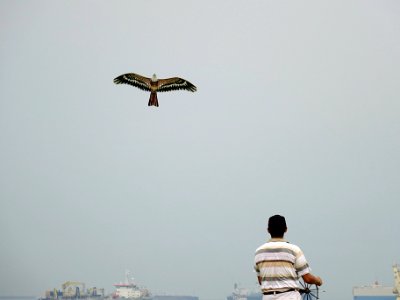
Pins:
x,y
279,265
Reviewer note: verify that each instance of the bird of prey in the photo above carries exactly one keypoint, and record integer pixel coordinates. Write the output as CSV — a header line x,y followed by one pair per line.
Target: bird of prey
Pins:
x,y
154,85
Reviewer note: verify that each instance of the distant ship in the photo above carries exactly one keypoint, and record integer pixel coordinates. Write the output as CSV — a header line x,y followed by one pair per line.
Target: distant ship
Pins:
x,y
244,294
379,292
129,289
72,290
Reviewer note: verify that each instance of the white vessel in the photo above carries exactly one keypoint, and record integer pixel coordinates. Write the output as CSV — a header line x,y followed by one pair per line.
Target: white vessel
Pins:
x,y
129,289
379,292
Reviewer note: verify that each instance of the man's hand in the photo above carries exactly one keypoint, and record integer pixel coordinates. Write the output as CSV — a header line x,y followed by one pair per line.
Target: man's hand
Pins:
x,y
319,281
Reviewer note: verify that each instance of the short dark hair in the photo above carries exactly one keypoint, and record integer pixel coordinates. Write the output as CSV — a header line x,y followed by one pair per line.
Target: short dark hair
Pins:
x,y
277,226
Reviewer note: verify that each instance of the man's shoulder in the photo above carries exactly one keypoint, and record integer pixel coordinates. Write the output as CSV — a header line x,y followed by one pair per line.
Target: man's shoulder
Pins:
x,y
263,246
278,244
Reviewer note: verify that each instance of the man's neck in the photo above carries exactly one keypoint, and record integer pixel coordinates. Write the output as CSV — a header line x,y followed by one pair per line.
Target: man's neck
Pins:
x,y
277,239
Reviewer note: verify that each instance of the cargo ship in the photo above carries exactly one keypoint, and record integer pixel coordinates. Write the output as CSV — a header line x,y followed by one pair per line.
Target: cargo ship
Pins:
x,y
72,290
379,292
130,290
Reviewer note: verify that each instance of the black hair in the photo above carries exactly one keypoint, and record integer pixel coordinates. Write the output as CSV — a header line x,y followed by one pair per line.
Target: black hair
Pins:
x,y
277,226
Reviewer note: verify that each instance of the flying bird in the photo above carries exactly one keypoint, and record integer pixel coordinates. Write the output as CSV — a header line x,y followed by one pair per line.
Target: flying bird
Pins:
x,y
154,85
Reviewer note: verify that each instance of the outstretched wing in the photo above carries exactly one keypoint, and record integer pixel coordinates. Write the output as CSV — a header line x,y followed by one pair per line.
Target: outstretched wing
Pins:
x,y
136,80
175,83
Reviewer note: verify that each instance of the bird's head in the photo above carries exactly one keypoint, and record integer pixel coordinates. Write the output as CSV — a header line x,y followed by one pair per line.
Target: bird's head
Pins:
x,y
154,78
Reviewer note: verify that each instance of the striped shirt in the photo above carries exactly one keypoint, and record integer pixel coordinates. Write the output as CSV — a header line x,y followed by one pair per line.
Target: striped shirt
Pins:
x,y
280,264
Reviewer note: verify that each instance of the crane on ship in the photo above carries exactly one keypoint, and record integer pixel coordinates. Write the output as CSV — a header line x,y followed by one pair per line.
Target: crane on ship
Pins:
x,y
396,288
73,289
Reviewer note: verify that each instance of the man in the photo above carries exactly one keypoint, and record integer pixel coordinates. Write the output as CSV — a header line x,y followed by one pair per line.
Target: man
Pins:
x,y
279,265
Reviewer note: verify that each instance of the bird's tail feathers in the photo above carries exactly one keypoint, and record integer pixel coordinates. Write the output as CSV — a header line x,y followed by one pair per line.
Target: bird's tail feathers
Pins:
x,y
153,101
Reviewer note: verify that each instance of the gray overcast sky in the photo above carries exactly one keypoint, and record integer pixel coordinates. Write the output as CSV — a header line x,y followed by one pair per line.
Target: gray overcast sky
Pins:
x,y
297,113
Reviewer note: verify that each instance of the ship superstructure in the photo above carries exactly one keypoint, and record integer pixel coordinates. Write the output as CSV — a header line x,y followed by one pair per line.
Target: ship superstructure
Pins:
x,y
129,289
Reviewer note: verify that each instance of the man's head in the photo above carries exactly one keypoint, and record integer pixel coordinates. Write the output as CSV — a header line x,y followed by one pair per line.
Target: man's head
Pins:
x,y
277,226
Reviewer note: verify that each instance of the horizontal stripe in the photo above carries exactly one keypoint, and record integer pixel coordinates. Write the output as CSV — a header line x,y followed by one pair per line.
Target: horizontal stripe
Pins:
x,y
276,250
273,278
280,272
275,257
274,264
